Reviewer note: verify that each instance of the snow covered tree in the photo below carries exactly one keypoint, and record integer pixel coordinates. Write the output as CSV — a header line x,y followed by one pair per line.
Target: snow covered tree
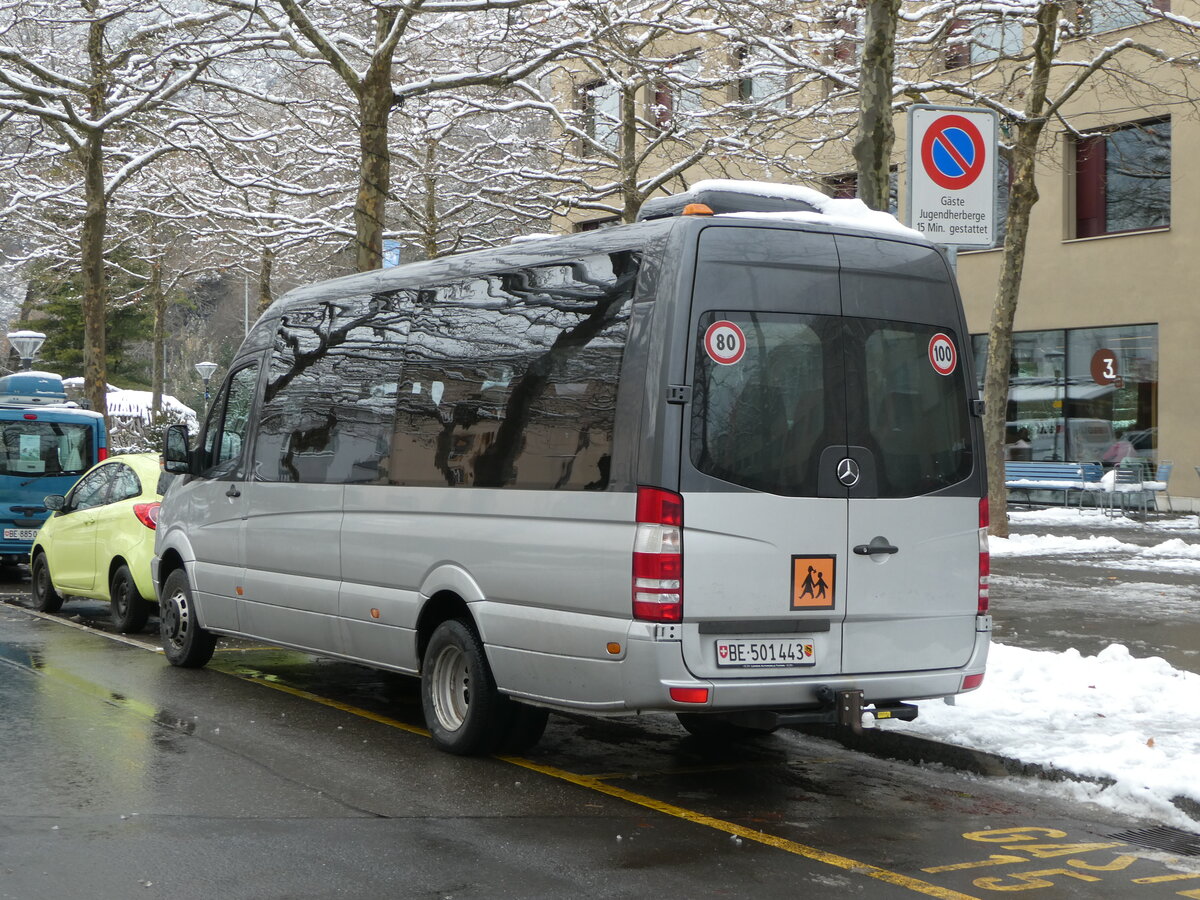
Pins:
x,y
97,89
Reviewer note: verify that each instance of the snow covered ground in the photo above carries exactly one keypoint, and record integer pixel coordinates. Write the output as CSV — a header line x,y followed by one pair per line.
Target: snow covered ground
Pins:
x,y
1106,716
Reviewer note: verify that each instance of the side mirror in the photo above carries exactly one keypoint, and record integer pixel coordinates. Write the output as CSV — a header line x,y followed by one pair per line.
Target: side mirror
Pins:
x,y
55,502
176,458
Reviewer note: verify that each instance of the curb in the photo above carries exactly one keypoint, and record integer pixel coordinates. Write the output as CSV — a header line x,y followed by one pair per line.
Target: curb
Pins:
x,y
910,748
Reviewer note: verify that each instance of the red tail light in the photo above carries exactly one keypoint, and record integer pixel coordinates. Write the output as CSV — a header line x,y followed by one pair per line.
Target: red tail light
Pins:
x,y
102,454
658,556
985,559
147,514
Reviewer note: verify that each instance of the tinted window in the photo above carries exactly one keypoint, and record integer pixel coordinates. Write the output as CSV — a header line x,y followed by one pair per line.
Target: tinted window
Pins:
x,y
510,380
916,421
763,420
36,448
805,383
331,390
229,422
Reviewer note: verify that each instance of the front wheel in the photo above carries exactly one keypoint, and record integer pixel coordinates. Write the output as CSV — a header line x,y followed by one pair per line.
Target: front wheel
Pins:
x,y
464,712
185,643
129,610
45,597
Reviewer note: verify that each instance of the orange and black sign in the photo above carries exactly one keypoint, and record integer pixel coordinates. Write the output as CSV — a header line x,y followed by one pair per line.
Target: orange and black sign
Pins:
x,y
812,582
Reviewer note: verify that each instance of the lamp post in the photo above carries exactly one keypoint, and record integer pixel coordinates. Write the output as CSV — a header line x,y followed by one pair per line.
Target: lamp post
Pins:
x,y
1056,358
206,370
27,344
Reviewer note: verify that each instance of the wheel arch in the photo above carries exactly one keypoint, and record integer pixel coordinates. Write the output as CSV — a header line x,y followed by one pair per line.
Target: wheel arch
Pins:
x,y
442,606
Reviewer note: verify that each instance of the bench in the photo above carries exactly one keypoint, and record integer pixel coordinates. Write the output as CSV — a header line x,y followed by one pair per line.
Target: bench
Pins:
x,y
1020,475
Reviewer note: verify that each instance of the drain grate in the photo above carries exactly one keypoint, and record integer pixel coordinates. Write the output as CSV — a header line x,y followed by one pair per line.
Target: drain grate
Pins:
x,y
1162,837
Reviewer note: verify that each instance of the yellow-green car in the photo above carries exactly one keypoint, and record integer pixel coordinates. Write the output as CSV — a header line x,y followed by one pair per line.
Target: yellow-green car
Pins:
x,y
99,540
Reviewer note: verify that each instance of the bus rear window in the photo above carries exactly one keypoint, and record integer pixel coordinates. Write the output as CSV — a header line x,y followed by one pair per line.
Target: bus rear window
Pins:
x,y
40,448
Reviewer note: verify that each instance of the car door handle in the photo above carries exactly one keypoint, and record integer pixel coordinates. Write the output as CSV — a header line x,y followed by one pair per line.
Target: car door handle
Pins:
x,y
869,549
233,491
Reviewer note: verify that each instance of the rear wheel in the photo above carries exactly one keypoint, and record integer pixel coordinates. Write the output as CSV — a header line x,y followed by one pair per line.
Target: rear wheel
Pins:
x,y
45,597
185,643
129,610
464,712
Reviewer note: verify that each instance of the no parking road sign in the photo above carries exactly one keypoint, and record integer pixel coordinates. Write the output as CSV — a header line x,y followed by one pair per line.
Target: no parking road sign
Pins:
x,y
952,175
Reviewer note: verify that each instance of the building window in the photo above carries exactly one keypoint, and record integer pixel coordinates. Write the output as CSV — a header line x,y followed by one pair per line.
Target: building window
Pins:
x,y
597,224
845,187
958,45
677,92
1123,180
1083,394
1108,15
600,114
760,80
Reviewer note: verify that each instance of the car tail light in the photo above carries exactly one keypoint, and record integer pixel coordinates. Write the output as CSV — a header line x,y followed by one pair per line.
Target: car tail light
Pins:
x,y
970,682
147,514
658,556
102,454
985,559
689,695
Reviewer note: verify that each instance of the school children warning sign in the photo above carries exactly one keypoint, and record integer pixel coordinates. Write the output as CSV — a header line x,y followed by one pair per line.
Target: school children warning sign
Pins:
x,y
813,581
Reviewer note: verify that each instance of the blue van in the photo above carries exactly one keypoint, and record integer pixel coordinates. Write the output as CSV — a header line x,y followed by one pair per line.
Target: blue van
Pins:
x,y
45,445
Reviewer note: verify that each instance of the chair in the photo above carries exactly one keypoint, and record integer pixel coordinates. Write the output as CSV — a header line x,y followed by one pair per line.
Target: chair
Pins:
x,y
1159,485
1130,486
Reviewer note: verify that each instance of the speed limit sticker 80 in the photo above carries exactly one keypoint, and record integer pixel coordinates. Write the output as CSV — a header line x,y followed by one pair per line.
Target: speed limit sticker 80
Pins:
x,y
942,354
724,343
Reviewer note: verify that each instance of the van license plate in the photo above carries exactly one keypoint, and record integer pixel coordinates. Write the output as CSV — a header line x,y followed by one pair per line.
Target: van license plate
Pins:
x,y
764,653
20,534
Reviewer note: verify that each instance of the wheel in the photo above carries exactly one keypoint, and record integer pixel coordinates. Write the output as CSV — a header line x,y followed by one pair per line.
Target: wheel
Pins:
x,y
129,610
464,712
185,643
45,597
711,727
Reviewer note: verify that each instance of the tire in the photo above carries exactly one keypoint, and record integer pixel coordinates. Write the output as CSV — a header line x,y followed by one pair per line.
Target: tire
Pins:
x,y
129,610
464,712
185,643
45,597
718,729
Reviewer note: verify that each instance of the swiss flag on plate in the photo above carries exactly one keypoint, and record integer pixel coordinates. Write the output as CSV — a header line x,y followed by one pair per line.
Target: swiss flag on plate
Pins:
x,y
723,651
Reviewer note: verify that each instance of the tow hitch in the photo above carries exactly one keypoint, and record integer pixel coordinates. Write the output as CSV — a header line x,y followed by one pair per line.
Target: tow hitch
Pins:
x,y
845,710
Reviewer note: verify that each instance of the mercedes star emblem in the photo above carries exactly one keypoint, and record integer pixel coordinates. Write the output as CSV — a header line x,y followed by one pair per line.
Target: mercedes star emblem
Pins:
x,y
847,472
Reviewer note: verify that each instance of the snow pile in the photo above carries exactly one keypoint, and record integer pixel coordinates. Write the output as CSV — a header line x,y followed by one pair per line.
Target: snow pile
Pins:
x,y
1053,545
1108,716
830,210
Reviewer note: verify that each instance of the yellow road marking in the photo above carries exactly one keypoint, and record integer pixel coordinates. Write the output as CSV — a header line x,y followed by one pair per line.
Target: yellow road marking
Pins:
x,y
598,785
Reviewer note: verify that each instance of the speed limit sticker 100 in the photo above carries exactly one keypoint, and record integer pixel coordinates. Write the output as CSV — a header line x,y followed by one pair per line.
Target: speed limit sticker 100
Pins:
x,y
724,343
942,354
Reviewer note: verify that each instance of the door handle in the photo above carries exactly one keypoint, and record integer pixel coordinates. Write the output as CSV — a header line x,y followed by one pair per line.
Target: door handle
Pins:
x,y
871,548
233,491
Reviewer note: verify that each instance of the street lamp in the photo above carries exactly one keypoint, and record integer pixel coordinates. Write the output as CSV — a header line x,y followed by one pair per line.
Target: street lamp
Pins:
x,y
1056,358
27,344
206,370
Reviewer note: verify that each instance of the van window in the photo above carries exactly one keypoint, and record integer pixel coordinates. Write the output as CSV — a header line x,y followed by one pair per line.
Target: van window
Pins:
x,y
331,390
229,422
37,448
762,422
510,379
916,419
805,383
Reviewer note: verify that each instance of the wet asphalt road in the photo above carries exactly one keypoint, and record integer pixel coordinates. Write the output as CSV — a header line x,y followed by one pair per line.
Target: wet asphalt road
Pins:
x,y
273,774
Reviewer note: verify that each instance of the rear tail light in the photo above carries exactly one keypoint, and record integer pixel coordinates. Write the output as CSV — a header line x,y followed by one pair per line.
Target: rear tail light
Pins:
x,y
658,556
102,454
147,514
985,560
970,682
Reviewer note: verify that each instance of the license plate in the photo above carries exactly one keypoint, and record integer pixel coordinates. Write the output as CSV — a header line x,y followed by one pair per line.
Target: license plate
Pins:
x,y
748,652
20,534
